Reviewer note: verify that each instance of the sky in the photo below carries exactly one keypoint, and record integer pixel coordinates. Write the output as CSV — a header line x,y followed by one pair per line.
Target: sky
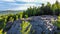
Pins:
x,y
22,4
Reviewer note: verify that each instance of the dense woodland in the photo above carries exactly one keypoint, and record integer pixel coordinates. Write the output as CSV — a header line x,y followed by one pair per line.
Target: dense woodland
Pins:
x,y
49,9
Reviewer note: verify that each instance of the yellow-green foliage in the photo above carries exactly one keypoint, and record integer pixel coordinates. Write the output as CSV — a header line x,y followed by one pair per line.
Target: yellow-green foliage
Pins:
x,y
26,16
10,14
58,22
11,19
5,20
1,31
5,17
21,15
1,17
24,26
16,17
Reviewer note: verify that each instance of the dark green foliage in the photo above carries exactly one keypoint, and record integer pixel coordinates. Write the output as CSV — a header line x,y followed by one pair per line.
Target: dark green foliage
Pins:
x,y
49,9
1,23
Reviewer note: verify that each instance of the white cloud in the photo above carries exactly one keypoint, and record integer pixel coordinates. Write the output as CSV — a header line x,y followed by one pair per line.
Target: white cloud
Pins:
x,y
39,1
7,0
45,1
13,5
18,8
26,0
58,0
23,7
51,1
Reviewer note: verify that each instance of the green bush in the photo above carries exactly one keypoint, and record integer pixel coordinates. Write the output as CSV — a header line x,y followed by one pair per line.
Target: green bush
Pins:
x,y
58,22
11,19
21,15
16,17
26,26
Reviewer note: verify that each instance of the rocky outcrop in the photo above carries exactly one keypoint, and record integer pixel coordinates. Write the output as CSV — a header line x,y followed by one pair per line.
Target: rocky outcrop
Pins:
x,y
40,24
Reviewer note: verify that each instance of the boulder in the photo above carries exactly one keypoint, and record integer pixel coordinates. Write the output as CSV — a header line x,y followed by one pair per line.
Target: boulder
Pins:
x,y
40,24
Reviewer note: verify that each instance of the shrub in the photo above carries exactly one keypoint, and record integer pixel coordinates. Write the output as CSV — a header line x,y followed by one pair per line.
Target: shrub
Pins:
x,y
21,15
1,31
26,16
58,22
26,26
11,19
16,17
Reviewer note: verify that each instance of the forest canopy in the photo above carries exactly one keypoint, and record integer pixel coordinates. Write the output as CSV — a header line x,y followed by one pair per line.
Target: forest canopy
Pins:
x,y
48,9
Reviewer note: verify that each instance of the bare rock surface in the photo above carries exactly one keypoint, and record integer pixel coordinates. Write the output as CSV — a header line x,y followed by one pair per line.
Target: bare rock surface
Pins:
x,y
39,24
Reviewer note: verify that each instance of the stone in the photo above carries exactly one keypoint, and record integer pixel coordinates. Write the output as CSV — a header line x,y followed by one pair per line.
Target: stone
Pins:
x,y
39,24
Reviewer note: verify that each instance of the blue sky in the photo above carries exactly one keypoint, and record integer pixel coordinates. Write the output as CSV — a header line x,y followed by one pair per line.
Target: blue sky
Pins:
x,y
22,4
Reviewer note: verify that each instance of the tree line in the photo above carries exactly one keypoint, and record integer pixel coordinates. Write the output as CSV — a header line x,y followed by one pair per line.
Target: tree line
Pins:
x,y
48,9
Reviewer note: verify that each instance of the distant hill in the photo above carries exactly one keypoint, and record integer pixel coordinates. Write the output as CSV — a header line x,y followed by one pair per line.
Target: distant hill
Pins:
x,y
10,11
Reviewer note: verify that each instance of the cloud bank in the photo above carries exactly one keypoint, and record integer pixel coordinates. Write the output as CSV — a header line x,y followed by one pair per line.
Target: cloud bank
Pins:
x,y
22,4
